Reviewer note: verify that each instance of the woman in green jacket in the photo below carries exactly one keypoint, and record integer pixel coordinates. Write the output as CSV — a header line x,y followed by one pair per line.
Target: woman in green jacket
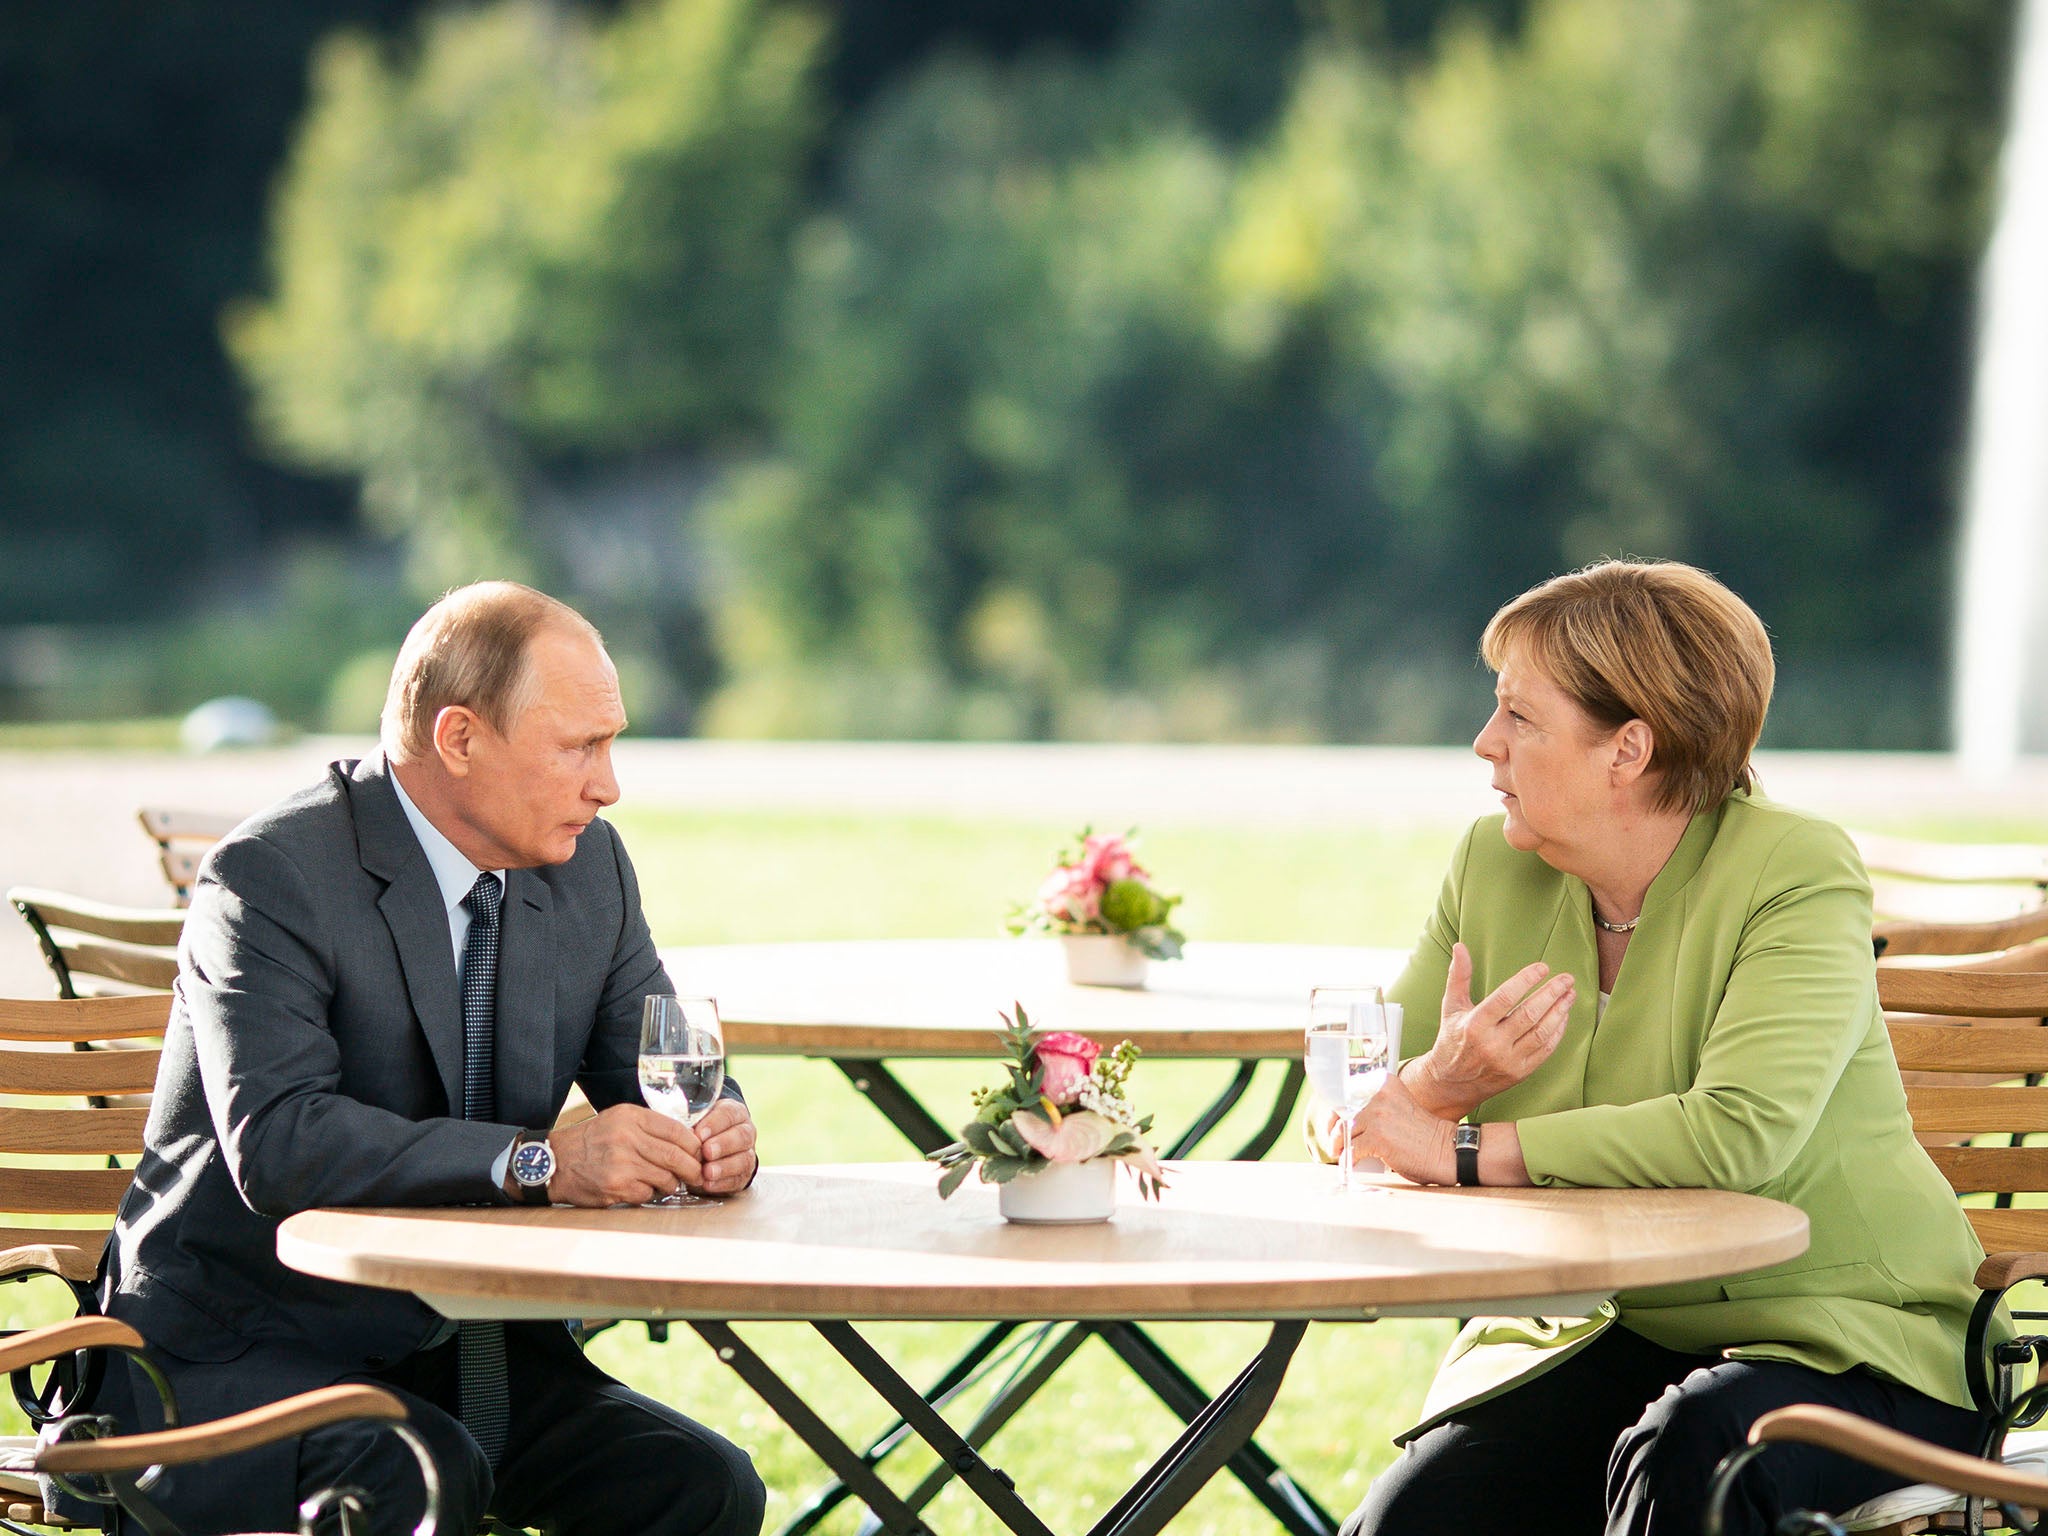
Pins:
x,y
1676,989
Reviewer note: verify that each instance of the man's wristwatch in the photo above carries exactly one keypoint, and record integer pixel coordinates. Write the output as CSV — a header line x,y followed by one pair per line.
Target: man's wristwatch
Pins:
x,y
533,1164
1465,1144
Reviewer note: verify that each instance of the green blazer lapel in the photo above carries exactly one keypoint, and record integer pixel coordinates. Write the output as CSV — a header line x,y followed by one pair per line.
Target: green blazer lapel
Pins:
x,y
1684,863
1568,946
526,1002
412,909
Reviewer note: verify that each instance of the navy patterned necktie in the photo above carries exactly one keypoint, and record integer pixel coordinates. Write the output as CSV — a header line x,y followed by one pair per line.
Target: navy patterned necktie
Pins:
x,y
485,1399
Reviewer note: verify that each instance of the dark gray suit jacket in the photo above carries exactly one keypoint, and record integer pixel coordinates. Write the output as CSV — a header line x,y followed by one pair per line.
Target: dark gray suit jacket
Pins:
x,y
315,1049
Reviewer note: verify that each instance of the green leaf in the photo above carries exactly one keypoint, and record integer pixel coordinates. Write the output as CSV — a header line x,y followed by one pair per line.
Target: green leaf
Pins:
x,y
1000,1170
981,1136
954,1177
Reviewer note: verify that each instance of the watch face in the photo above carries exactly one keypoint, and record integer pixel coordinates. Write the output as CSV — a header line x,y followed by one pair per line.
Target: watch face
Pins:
x,y
533,1163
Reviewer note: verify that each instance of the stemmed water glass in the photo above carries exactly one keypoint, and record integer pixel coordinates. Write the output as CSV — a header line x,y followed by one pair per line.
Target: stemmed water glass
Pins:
x,y
682,1065
1349,1047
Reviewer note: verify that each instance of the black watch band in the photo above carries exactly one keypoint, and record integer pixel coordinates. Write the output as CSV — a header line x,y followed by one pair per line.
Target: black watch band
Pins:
x,y
1465,1144
538,1157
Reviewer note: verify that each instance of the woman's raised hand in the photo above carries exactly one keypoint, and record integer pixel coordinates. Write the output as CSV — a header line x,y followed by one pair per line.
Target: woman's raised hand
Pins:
x,y
1487,1047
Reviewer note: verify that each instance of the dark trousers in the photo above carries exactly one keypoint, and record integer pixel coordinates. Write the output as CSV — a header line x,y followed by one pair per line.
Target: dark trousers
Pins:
x,y
1623,1438
584,1454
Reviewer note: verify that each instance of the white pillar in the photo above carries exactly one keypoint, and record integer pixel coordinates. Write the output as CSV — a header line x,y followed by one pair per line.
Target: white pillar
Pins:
x,y
2001,684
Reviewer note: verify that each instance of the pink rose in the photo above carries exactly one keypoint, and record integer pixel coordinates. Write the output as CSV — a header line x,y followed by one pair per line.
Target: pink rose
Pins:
x,y
1066,1060
1071,894
1108,859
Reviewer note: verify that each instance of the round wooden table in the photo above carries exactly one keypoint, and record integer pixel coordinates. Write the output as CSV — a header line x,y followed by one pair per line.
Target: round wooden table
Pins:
x,y
1272,1242
1228,1240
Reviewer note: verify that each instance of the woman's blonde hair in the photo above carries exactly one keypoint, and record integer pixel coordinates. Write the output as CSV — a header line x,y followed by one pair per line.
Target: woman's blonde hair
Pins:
x,y
1659,642
469,649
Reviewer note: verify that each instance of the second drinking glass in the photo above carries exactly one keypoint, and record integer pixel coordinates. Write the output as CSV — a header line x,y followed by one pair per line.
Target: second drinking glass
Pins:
x,y
1352,1042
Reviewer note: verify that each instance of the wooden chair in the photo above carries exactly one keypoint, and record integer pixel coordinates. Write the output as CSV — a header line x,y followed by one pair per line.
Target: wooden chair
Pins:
x,y
90,1458
95,949
1973,1068
2017,1489
61,1346
1953,882
182,838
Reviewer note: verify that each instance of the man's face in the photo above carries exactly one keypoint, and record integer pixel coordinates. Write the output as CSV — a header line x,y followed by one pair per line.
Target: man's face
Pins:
x,y
530,790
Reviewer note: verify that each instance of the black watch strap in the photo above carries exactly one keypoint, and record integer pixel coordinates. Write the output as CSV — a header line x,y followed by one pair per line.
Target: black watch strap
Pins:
x,y
532,1194
1465,1144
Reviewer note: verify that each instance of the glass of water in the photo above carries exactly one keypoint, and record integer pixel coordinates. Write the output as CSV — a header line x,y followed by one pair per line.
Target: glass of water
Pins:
x,y
682,1065
1350,1046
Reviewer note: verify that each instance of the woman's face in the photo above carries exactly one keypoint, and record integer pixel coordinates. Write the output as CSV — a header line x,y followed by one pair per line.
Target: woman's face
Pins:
x,y
1552,766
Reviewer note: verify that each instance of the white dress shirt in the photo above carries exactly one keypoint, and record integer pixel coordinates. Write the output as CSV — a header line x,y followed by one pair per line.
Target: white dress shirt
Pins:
x,y
456,876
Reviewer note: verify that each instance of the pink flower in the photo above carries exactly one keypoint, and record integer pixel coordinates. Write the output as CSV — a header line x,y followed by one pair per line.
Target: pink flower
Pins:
x,y
1108,859
1065,1059
1075,1139
1071,894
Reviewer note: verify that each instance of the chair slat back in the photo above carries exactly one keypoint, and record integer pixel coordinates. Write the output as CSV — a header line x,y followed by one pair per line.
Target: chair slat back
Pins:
x,y
78,1074
182,838
1972,992
79,1132
2010,1231
64,1191
1970,1043
57,1133
94,948
1895,937
1975,1111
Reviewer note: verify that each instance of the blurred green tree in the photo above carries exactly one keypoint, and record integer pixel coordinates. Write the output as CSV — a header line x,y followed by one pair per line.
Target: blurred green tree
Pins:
x,y
1095,398
1688,280
536,238
1023,487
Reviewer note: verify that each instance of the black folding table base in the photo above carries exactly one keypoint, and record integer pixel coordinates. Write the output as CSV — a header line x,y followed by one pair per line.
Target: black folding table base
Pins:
x,y
1218,1433
1046,1348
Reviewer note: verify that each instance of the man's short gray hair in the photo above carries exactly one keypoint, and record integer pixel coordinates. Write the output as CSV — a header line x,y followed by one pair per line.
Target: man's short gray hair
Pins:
x,y
470,649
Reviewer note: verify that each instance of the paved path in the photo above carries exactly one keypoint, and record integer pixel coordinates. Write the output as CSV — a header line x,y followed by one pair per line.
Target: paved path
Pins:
x,y
70,816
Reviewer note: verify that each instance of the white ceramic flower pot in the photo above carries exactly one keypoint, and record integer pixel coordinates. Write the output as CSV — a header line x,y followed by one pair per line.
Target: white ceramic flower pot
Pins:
x,y
1102,960
1062,1193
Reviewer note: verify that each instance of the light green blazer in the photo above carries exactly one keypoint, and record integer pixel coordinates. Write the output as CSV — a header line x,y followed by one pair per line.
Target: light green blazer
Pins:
x,y
1742,1049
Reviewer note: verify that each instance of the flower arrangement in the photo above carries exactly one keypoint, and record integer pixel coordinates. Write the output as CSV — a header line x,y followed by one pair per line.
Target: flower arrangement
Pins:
x,y
1065,1102
1098,887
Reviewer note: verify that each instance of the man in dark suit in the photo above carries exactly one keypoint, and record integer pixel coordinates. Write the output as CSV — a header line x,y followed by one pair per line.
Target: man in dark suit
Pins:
x,y
387,985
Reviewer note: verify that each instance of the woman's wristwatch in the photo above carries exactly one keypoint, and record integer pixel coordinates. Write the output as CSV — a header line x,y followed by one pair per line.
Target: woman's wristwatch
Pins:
x,y
1465,1146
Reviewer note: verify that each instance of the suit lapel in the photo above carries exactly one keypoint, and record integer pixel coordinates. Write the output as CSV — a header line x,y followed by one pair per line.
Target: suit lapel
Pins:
x,y
412,909
526,1002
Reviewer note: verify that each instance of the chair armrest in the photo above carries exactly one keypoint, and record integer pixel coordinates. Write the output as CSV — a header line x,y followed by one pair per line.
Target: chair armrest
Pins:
x,y
2002,1271
42,1344
72,1254
221,1437
1904,1455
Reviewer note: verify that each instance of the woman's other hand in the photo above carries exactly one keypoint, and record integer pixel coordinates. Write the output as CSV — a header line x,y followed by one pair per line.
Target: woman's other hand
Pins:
x,y
1488,1047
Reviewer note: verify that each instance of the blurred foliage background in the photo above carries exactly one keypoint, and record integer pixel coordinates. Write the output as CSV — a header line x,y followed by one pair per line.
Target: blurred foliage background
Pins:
x,y
1153,369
